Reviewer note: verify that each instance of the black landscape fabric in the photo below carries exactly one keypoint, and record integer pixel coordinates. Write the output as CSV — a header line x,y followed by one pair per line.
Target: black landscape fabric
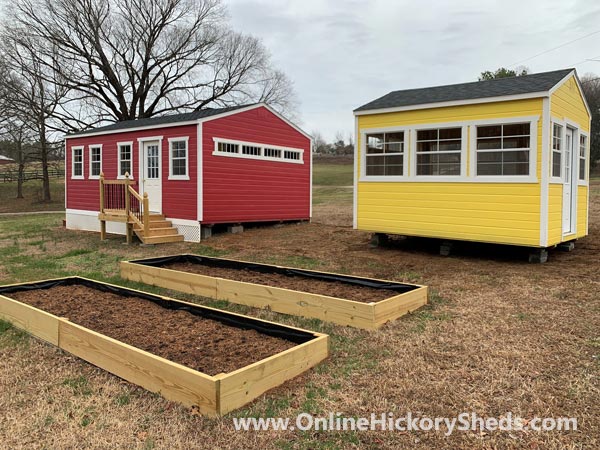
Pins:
x,y
270,329
266,268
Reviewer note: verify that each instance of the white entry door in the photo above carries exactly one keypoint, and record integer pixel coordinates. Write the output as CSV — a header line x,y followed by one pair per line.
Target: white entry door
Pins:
x,y
151,179
569,191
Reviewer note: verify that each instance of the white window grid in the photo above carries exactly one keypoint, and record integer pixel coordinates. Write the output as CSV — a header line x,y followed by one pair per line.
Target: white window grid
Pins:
x,y
95,161
502,149
437,151
253,150
125,159
397,145
77,163
178,159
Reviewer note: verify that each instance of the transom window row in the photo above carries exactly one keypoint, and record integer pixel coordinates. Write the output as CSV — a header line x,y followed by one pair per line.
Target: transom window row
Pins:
x,y
257,151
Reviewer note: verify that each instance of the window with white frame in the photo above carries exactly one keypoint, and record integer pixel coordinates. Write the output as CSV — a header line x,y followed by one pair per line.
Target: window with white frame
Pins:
x,y
582,158
179,159
77,162
384,155
251,150
504,149
439,151
95,161
125,158
557,132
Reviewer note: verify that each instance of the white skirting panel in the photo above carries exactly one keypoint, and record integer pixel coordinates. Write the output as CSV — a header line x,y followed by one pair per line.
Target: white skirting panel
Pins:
x,y
78,219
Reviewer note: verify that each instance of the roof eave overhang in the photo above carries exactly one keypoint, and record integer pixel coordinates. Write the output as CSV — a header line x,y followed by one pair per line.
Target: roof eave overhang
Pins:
x,y
475,101
191,122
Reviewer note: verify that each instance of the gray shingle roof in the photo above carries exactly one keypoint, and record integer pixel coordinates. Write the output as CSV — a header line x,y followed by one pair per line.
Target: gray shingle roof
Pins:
x,y
525,84
167,120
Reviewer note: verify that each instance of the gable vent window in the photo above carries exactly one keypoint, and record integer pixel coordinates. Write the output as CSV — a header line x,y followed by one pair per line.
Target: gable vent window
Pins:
x,y
252,150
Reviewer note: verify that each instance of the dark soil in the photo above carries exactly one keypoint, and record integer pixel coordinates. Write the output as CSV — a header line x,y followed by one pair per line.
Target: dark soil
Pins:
x,y
202,344
330,288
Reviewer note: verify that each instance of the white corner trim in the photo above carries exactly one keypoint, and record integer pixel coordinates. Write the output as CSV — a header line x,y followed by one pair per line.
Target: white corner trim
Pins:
x,y
90,147
545,171
475,101
355,176
310,186
186,177
82,149
200,175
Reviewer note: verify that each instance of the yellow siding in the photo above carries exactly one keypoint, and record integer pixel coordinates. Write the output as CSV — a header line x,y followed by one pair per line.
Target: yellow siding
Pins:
x,y
582,211
566,103
489,212
555,199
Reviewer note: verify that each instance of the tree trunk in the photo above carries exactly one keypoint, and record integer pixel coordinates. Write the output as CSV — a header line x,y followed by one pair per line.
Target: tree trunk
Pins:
x,y
21,174
44,157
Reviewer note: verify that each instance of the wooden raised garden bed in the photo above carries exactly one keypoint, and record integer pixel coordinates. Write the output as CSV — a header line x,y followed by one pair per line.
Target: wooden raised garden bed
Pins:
x,y
345,300
195,355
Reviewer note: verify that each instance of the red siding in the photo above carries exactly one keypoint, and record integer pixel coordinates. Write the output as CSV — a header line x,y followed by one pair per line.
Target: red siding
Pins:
x,y
179,198
248,190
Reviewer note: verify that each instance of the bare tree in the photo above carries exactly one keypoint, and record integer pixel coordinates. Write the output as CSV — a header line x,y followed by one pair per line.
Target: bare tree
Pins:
x,y
130,59
591,88
30,100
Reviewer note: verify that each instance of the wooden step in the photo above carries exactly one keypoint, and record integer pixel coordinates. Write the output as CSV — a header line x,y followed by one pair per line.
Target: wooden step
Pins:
x,y
155,216
163,239
163,231
161,224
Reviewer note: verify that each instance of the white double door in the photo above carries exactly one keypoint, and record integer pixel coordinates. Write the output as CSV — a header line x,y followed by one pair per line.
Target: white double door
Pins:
x,y
150,170
569,181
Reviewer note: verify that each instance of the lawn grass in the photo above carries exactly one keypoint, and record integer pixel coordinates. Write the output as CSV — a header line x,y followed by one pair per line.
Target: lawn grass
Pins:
x,y
326,174
32,192
498,336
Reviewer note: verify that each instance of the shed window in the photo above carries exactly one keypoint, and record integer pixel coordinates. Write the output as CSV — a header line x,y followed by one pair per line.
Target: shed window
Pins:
x,y
77,169
250,150
439,151
557,131
227,147
95,161
125,159
272,152
253,150
385,154
582,159
179,159
503,149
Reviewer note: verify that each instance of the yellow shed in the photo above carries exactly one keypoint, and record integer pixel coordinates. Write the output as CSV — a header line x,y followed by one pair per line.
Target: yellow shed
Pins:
x,y
501,161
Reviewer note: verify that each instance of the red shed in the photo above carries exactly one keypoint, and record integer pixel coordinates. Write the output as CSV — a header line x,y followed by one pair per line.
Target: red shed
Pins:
x,y
213,166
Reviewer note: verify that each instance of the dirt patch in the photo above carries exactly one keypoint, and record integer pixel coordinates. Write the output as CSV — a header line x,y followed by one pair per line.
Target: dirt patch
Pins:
x,y
330,288
202,344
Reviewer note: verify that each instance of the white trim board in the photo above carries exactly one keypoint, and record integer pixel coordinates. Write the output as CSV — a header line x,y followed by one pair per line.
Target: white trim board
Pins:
x,y
544,172
194,122
200,175
475,101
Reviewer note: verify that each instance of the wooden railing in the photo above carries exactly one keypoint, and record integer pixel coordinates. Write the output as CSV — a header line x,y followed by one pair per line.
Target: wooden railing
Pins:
x,y
119,200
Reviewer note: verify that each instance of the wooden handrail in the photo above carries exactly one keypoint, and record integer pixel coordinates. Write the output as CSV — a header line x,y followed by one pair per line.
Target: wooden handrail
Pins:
x,y
127,200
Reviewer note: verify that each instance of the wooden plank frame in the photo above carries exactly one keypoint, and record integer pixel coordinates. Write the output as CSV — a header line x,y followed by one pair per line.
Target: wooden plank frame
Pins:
x,y
213,395
368,316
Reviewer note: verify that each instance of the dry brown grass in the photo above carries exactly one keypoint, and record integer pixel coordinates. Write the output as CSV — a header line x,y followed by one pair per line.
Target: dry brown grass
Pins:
x,y
500,335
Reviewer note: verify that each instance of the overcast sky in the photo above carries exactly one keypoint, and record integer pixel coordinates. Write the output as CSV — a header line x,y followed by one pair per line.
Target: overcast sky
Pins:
x,y
341,54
